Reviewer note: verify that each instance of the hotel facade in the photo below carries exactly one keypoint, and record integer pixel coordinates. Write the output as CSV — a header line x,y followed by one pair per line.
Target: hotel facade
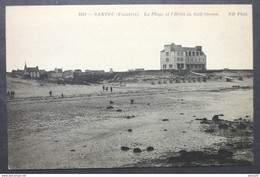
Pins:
x,y
182,58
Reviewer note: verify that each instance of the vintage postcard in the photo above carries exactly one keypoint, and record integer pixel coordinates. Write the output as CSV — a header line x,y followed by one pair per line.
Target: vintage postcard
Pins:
x,y
124,86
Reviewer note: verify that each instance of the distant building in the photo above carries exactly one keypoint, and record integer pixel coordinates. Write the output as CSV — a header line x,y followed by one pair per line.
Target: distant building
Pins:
x,y
58,70
43,73
182,58
31,72
77,73
111,70
57,73
69,74
17,72
94,71
139,69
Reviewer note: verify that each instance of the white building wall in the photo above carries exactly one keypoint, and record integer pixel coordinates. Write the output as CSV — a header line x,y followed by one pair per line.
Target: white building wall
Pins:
x,y
179,56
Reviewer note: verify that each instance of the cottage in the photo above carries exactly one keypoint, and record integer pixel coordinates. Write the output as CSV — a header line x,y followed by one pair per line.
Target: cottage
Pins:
x,y
57,73
94,71
68,74
17,72
77,73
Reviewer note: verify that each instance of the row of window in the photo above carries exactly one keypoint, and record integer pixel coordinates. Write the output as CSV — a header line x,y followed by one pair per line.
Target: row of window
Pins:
x,y
181,66
188,59
181,53
180,59
196,59
196,53
195,66
165,66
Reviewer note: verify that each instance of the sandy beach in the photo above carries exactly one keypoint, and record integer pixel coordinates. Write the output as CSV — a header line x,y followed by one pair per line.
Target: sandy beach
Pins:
x,y
81,131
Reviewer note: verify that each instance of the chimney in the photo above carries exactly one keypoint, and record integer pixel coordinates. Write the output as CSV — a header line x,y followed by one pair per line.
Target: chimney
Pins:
x,y
199,48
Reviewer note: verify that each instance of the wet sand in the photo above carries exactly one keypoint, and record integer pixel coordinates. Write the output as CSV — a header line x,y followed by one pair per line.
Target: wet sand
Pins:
x,y
78,131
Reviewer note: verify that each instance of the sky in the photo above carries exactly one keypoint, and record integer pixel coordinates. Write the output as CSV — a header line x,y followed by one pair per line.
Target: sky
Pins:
x,y
77,37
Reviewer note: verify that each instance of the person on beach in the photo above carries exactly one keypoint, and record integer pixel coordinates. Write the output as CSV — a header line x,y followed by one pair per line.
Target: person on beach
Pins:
x,y
50,93
8,94
12,94
62,96
111,89
103,88
106,88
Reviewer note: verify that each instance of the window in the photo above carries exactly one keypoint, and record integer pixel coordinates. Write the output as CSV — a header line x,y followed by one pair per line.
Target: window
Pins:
x,y
167,53
178,59
167,59
181,59
170,66
191,59
193,53
178,53
183,53
164,66
197,53
195,66
189,53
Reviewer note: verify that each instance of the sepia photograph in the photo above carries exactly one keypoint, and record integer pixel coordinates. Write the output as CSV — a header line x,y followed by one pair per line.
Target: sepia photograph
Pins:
x,y
129,86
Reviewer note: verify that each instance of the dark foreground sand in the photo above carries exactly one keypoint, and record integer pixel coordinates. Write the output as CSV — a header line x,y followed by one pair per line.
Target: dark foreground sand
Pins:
x,y
78,131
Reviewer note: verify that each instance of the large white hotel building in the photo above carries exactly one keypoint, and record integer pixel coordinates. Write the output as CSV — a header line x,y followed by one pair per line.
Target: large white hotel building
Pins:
x,y
182,58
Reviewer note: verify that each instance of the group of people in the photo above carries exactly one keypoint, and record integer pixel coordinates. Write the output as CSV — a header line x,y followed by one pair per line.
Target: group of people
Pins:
x,y
106,88
10,94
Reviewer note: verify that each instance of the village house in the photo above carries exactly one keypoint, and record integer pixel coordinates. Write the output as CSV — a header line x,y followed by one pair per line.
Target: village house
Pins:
x,y
43,73
139,69
77,73
94,71
17,72
57,73
31,72
182,58
68,74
